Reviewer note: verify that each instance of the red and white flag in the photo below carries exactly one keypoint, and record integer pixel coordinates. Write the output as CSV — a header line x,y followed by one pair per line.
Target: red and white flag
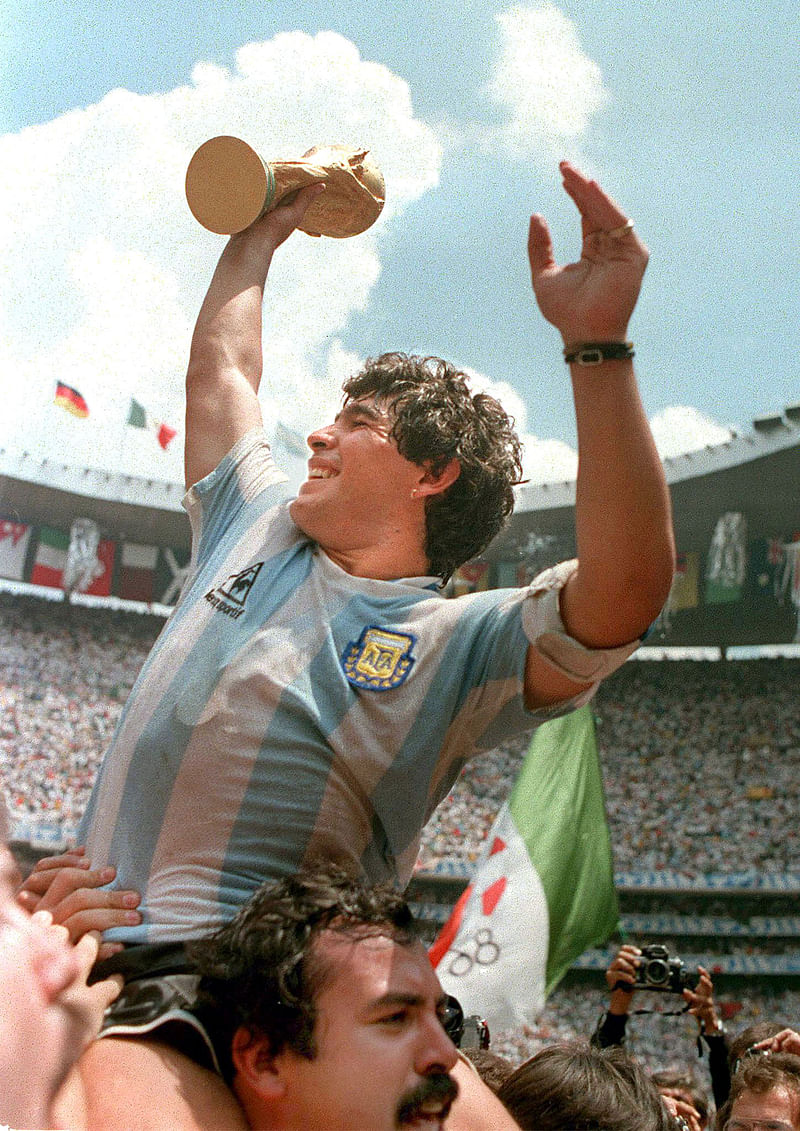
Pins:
x,y
544,887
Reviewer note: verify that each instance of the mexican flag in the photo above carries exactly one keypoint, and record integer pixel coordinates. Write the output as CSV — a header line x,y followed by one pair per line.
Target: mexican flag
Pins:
x,y
51,558
543,889
139,417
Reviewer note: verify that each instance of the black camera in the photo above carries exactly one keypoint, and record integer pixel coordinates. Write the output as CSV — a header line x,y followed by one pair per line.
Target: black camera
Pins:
x,y
465,1032
658,971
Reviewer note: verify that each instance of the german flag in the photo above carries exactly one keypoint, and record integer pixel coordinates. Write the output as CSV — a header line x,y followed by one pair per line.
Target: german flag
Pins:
x,y
71,400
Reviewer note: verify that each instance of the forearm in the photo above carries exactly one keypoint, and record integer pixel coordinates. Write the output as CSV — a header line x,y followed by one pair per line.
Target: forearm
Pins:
x,y
622,513
225,361
610,1030
227,335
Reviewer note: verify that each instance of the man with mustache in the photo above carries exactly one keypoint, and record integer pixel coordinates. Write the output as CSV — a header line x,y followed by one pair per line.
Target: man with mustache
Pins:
x,y
325,1009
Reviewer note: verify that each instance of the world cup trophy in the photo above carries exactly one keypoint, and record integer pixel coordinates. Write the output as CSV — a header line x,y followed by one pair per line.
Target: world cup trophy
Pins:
x,y
229,186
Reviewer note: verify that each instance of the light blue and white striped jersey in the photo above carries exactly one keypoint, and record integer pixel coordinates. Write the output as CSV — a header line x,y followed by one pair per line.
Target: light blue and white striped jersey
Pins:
x,y
290,712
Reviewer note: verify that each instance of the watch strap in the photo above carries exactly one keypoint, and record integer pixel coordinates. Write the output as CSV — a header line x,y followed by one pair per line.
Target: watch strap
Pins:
x,y
595,353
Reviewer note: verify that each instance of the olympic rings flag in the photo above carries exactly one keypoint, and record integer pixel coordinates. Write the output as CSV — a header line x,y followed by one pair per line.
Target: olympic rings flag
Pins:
x,y
543,889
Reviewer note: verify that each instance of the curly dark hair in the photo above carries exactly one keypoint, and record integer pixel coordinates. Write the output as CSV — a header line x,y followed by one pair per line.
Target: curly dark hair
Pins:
x,y
261,971
436,418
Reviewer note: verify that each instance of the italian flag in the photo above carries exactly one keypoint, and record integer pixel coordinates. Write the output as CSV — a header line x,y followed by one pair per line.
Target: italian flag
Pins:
x,y
51,558
543,889
139,417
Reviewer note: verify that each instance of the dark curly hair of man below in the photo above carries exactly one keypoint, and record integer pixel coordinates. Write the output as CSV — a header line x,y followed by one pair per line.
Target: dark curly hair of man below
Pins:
x,y
577,1086
437,418
762,1074
261,971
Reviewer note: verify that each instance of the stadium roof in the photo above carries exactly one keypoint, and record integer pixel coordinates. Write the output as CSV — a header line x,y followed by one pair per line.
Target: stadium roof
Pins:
x,y
47,492
757,474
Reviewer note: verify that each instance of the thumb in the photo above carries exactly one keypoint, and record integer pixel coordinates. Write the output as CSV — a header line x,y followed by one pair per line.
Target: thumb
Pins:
x,y
540,246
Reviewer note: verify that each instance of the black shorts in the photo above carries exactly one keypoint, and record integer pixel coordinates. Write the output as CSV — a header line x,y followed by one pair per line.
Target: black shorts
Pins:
x,y
158,1001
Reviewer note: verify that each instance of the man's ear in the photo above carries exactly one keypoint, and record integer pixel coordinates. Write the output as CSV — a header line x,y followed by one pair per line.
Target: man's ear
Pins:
x,y
434,483
257,1070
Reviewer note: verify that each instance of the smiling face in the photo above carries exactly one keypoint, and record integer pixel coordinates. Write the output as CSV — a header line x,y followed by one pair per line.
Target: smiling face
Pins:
x,y
361,494
382,1056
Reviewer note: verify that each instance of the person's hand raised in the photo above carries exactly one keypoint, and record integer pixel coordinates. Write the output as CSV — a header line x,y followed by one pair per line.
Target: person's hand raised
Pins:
x,y
591,300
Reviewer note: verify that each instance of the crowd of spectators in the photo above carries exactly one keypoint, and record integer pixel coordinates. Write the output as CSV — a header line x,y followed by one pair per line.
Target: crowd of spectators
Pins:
x,y
694,783
657,1039
65,672
701,767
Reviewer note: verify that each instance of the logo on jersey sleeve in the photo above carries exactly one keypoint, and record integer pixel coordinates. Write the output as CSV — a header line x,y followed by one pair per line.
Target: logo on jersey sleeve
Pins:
x,y
229,598
379,660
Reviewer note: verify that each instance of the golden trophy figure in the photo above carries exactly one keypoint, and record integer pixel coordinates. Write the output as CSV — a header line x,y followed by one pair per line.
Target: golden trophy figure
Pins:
x,y
228,187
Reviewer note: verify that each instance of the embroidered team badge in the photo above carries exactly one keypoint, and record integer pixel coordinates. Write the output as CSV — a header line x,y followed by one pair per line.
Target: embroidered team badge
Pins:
x,y
379,660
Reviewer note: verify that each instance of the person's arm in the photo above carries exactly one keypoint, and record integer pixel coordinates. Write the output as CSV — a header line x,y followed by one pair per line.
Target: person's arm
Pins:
x,y
620,978
225,360
704,1009
623,515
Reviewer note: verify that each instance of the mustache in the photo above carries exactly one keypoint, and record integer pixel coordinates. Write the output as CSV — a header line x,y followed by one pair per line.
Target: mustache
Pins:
x,y
438,1087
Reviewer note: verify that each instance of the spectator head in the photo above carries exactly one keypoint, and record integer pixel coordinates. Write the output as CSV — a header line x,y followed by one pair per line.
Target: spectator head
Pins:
x,y
765,1095
436,418
582,1088
741,1047
491,1068
325,1007
679,1084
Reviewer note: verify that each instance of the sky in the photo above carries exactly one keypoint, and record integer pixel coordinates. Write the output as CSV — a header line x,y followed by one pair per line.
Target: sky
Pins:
x,y
687,113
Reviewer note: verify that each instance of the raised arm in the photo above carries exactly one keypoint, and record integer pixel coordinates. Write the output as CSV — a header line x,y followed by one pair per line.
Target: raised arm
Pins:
x,y
623,514
225,360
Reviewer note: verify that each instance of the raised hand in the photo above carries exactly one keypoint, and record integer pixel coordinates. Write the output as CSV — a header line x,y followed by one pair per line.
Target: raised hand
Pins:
x,y
591,300
621,976
785,1041
701,1002
278,224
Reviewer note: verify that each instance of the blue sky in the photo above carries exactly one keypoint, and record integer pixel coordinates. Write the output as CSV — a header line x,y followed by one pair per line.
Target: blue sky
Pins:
x,y
687,113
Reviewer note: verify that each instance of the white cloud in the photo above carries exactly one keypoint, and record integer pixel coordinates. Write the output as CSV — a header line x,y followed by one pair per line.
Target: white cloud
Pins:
x,y
544,80
104,267
681,428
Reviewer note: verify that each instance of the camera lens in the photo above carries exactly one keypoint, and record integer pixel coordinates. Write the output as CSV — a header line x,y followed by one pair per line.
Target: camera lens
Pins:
x,y
657,971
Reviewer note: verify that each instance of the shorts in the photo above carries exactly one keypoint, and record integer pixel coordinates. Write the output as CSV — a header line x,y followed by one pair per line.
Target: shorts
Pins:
x,y
158,1000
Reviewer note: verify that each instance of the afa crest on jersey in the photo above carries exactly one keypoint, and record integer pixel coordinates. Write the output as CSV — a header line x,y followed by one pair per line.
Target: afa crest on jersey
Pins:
x,y
379,660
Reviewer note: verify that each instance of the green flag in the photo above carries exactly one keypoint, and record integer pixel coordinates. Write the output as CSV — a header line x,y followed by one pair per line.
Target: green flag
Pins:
x,y
544,887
